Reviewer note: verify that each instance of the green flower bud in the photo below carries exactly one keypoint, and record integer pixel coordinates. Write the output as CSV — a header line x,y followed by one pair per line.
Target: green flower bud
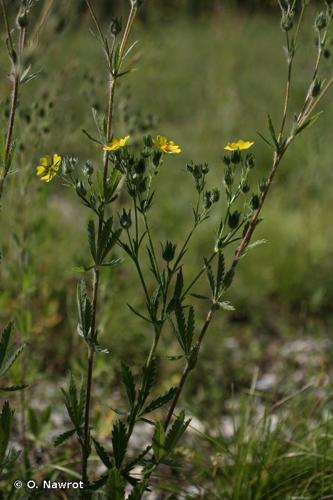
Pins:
x,y
255,201
245,187
233,219
205,169
228,177
207,200
316,87
68,164
148,141
250,161
287,22
215,195
235,157
125,219
226,160
88,168
168,251
157,158
80,189
321,21
116,26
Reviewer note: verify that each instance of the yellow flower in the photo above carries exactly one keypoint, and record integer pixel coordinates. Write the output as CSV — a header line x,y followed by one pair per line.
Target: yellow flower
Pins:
x,y
48,167
239,145
116,144
167,146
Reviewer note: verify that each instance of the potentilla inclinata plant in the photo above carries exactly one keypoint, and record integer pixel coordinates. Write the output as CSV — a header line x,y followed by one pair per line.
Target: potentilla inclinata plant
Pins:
x,y
120,233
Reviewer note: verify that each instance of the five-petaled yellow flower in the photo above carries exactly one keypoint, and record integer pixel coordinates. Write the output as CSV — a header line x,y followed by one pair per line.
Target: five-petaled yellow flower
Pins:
x,y
166,146
239,145
48,167
116,144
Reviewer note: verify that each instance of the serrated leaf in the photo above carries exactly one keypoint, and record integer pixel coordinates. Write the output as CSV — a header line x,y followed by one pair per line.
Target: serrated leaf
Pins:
x,y
11,360
210,275
115,486
138,491
148,380
91,138
92,238
4,342
119,442
220,273
63,437
158,441
160,401
128,380
175,433
103,454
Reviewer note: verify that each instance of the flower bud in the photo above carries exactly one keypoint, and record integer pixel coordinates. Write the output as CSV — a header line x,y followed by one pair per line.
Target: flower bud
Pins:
x,y
250,161
228,177
80,189
205,169
233,219
235,157
116,26
215,195
68,164
316,87
226,160
168,251
22,19
255,201
157,158
148,141
287,22
140,167
207,200
88,168
245,187
125,219
321,21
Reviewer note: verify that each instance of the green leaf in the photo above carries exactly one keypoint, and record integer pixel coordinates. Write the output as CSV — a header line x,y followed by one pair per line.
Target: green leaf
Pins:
x,y
210,275
103,454
92,238
115,487
308,123
11,360
272,131
84,309
220,274
5,426
13,388
160,401
176,432
119,442
138,491
91,138
63,437
128,380
148,380
158,441
4,342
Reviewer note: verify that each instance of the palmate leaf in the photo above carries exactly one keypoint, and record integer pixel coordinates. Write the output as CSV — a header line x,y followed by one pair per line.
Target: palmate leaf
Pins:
x,y
119,442
160,401
75,402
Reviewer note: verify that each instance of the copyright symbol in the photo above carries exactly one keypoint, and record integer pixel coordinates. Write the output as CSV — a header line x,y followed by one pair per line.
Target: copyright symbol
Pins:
x,y
18,484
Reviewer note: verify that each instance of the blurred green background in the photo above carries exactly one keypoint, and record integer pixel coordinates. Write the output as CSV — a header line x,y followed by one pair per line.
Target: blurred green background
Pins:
x,y
204,76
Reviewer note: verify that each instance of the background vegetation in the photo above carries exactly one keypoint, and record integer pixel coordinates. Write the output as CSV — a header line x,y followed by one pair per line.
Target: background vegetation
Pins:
x,y
202,80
